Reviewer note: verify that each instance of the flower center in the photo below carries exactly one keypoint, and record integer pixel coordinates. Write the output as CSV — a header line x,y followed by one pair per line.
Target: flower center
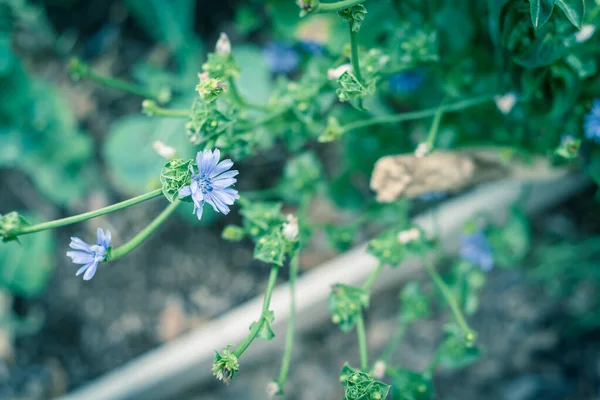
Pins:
x,y
99,252
205,184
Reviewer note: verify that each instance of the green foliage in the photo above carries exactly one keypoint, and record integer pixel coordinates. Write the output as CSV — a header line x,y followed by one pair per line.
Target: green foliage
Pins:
x,y
26,265
341,237
134,167
409,385
265,332
11,223
225,365
271,248
176,174
455,351
302,174
466,282
354,15
361,386
540,11
389,250
233,233
346,304
414,303
512,240
261,217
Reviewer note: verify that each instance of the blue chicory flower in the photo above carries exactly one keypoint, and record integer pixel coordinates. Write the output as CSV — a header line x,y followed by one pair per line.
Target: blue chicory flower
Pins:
x,y
281,58
476,249
592,122
211,184
312,47
89,256
407,81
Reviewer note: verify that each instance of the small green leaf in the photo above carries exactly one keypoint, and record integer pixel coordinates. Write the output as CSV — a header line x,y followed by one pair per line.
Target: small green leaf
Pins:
x,y
540,11
26,265
455,351
414,303
265,332
574,10
260,217
345,304
544,50
174,175
361,386
271,247
410,385
341,237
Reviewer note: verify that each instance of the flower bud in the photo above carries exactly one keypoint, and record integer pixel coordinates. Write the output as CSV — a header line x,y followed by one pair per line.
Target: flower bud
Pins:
x,y
223,46
379,369
422,150
290,228
209,88
335,73
273,389
506,102
166,152
586,32
409,235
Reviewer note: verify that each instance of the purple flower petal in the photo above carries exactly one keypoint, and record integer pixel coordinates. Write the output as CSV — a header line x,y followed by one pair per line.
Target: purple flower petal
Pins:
x,y
90,272
79,244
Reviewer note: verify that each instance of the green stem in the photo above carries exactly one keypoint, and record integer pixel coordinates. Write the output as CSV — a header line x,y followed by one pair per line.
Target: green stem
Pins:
x,y
354,53
458,315
372,277
435,126
88,215
362,343
289,338
239,350
337,6
151,109
428,112
81,70
145,233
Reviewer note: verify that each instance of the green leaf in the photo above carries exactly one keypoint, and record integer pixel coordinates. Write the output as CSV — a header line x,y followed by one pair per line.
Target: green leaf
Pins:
x,y
414,303
410,385
345,304
271,247
540,11
511,242
260,217
301,175
26,265
174,175
455,352
132,164
255,82
544,50
341,237
574,10
361,386
265,332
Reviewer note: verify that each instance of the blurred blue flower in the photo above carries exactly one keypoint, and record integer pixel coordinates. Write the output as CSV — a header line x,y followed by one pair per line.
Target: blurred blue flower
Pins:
x,y
592,122
89,256
432,196
476,249
211,184
312,47
281,58
407,81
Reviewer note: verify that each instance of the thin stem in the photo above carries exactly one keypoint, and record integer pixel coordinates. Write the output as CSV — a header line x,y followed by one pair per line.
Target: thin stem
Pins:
x,y
145,233
362,343
435,126
151,109
394,341
458,315
88,215
372,277
337,6
354,53
428,112
289,338
239,350
79,69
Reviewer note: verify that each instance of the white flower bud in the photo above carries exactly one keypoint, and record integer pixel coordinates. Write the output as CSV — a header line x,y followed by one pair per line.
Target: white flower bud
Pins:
x,y
409,235
379,369
334,73
586,32
223,46
506,102
272,389
422,150
290,228
163,150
